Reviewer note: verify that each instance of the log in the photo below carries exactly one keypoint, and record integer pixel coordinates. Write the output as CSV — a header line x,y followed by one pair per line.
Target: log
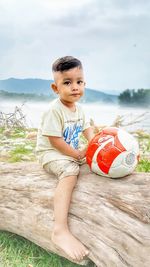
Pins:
x,y
110,216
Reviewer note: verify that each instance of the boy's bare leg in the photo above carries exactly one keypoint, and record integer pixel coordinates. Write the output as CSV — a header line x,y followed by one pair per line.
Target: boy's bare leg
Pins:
x,y
61,235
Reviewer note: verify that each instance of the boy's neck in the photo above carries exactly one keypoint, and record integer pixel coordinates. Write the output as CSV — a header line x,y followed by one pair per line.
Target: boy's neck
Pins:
x,y
70,105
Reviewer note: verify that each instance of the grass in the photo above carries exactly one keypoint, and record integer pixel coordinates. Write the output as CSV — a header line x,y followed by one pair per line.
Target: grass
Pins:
x,y
144,162
16,251
2,130
19,151
16,147
143,166
13,133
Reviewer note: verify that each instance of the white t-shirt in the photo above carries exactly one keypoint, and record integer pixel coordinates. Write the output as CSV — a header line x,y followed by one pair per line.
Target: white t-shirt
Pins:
x,y
59,121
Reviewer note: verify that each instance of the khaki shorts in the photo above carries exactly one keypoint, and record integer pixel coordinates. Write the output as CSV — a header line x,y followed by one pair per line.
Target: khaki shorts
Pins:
x,y
62,168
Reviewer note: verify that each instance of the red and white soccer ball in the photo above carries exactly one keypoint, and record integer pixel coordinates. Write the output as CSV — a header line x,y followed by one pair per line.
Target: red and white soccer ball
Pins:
x,y
113,153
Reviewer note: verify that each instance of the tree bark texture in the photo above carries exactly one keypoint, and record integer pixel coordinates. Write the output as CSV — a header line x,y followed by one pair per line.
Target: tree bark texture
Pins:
x,y
110,216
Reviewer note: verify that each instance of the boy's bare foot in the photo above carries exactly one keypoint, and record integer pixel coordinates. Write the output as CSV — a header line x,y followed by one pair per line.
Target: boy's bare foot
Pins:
x,y
69,244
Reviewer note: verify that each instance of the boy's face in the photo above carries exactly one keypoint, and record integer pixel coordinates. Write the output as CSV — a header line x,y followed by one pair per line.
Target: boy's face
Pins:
x,y
69,85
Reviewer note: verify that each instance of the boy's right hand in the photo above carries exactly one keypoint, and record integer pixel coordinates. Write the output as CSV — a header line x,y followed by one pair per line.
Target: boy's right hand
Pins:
x,y
81,154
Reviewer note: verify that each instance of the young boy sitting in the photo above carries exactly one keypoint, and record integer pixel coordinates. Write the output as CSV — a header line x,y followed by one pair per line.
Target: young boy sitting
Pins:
x,y
58,147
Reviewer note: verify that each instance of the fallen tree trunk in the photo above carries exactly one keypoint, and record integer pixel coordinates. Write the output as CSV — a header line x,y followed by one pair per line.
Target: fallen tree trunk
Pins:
x,y
110,216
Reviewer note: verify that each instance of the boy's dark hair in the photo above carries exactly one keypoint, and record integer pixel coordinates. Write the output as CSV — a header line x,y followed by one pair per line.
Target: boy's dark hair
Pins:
x,y
66,63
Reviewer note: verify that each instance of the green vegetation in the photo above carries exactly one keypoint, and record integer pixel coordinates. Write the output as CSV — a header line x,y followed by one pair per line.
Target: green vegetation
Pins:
x,y
16,133
135,97
20,151
16,146
16,251
143,166
2,129
144,162
12,133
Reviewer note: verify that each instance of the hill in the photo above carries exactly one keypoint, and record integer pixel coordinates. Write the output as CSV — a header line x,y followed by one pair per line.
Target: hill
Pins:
x,y
37,87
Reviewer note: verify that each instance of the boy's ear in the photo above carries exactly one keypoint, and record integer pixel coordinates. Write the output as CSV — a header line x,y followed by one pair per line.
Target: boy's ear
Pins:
x,y
54,87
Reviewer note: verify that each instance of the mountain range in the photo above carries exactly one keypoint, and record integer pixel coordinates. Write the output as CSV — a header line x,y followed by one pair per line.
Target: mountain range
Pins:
x,y
41,87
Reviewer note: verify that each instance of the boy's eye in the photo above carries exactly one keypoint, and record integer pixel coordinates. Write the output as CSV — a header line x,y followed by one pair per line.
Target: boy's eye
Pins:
x,y
80,82
67,82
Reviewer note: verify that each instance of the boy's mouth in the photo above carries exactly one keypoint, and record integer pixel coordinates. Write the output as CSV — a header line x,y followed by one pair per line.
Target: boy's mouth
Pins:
x,y
75,94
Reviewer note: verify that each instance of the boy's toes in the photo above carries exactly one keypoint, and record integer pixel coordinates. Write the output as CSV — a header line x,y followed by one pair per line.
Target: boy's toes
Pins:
x,y
82,255
79,256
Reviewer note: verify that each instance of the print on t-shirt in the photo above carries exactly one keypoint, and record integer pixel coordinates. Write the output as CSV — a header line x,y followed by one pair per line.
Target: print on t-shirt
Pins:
x,y
72,133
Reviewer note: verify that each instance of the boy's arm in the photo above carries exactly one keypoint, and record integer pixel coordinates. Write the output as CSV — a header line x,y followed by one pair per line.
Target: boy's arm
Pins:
x,y
89,133
63,147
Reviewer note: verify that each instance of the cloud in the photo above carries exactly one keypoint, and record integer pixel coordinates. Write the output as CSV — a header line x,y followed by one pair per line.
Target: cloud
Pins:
x,y
110,37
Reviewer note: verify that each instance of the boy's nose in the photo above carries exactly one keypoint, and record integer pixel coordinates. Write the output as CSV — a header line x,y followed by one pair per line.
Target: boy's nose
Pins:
x,y
74,87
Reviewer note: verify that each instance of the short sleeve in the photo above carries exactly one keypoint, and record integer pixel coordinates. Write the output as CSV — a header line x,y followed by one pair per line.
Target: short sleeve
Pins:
x,y
52,124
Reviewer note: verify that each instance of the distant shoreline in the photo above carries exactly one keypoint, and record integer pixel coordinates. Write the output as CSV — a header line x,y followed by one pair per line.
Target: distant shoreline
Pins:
x,y
100,113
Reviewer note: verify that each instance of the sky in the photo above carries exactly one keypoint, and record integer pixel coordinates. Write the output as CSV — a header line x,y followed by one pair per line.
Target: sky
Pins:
x,y
110,37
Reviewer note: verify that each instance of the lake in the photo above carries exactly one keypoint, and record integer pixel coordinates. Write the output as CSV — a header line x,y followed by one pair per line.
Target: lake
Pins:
x,y
100,113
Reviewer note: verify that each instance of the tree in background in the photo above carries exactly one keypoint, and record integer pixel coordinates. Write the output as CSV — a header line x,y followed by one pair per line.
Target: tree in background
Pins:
x,y
125,97
135,97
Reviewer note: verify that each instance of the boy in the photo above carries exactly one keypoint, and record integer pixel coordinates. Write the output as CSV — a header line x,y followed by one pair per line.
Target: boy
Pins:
x,y
58,147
